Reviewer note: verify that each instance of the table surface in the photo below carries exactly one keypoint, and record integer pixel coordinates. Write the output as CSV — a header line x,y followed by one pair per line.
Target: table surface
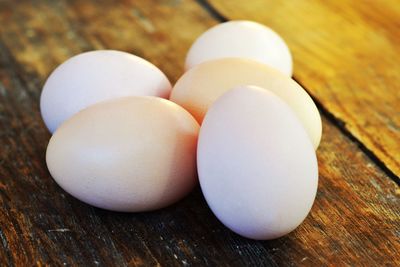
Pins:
x,y
346,55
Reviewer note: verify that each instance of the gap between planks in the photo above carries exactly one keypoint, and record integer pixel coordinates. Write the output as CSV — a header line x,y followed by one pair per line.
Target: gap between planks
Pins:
x,y
341,125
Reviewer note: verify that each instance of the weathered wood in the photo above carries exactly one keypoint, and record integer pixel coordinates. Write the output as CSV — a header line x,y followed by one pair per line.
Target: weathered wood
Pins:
x,y
355,219
347,55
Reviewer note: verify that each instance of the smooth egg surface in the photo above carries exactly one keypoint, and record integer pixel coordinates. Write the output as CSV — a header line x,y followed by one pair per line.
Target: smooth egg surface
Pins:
x,y
257,167
242,39
129,154
199,87
95,76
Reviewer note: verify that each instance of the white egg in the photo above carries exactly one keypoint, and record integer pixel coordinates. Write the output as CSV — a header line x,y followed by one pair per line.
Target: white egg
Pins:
x,y
95,76
243,39
200,86
129,154
257,167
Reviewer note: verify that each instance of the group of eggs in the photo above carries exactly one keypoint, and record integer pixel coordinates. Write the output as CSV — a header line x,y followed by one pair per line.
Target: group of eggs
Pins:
x,y
235,121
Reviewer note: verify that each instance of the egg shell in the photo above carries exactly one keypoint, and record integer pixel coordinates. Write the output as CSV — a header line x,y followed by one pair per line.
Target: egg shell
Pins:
x,y
257,168
243,39
199,87
129,154
95,76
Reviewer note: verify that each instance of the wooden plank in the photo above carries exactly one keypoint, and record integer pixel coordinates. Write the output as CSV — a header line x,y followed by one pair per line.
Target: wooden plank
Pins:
x,y
355,219
347,55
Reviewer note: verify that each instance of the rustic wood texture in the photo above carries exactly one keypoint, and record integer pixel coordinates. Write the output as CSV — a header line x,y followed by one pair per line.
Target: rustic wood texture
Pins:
x,y
354,221
347,54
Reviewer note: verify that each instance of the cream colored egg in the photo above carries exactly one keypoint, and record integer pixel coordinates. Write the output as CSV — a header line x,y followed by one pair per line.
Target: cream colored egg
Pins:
x,y
243,39
95,76
128,154
199,87
257,167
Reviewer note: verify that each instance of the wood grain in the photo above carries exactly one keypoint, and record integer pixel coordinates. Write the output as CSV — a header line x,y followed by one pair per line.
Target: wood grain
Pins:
x,y
347,55
354,221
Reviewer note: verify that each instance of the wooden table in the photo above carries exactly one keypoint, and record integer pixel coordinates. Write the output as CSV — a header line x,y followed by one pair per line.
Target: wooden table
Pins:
x,y
346,55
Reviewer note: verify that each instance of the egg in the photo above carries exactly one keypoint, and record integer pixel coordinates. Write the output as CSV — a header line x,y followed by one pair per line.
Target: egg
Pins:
x,y
129,154
243,39
257,167
199,87
95,76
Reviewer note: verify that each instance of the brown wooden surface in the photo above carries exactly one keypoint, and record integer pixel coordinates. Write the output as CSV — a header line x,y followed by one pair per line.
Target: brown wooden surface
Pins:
x,y
347,55
356,217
